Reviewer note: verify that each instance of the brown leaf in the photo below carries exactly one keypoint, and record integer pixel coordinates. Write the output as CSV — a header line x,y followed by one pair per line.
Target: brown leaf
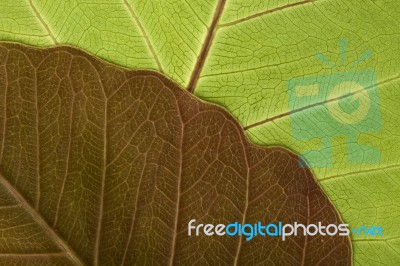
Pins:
x,y
107,166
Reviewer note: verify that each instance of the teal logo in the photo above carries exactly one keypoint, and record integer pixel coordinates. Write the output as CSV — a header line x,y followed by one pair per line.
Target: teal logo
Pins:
x,y
342,104
368,231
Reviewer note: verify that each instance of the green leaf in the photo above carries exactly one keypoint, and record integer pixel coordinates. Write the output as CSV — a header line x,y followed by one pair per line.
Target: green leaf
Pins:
x,y
105,166
241,54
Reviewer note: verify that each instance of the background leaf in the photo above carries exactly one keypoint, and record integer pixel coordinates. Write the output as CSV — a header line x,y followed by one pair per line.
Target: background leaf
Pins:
x,y
256,48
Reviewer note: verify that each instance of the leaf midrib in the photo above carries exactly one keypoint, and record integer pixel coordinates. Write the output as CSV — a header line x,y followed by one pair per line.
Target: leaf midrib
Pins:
x,y
206,47
39,219
215,26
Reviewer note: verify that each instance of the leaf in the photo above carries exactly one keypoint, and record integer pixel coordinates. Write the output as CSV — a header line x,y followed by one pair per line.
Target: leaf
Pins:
x,y
240,54
107,166
249,76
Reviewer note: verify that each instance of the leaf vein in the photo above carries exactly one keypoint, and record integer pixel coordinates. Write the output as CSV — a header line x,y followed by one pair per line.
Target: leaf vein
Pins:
x,y
145,36
271,119
38,218
270,11
43,22
206,47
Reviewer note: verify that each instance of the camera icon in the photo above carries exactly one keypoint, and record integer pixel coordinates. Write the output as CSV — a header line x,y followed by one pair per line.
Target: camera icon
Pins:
x,y
343,104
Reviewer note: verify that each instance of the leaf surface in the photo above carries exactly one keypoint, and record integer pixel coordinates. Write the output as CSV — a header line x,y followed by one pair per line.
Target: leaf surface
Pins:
x,y
106,166
241,54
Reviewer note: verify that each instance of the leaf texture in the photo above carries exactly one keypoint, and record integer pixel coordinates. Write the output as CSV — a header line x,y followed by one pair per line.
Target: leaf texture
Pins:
x,y
241,54
106,166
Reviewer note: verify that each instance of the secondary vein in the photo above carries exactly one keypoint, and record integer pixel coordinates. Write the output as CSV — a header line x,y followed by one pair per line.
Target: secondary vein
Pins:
x,y
43,22
271,119
178,197
280,8
146,38
96,252
247,203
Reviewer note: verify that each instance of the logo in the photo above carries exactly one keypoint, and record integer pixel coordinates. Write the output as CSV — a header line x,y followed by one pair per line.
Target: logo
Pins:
x,y
272,229
341,104
367,231
279,229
